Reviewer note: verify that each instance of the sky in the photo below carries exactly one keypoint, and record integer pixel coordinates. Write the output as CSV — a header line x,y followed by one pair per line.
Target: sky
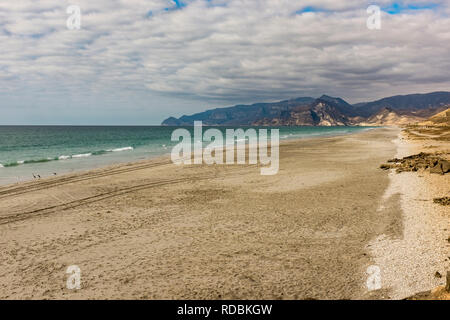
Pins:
x,y
141,61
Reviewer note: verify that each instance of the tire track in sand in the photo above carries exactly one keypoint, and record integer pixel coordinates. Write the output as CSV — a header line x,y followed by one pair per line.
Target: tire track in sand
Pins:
x,y
92,199
72,179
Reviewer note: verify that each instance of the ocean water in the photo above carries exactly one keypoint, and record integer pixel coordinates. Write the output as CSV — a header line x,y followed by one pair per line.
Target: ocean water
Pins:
x,y
45,150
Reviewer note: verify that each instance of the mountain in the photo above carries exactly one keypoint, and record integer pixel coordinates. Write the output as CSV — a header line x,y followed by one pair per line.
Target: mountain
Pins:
x,y
441,119
420,103
339,104
323,111
241,114
389,117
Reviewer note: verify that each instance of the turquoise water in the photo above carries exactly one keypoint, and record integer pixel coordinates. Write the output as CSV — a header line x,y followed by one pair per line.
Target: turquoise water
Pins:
x,y
45,150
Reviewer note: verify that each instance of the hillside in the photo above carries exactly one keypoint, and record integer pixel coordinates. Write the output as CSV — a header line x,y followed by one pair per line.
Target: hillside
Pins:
x,y
242,114
424,104
389,117
323,111
440,119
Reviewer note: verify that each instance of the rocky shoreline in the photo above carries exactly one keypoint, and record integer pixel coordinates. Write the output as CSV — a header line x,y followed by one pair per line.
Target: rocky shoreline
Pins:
x,y
431,161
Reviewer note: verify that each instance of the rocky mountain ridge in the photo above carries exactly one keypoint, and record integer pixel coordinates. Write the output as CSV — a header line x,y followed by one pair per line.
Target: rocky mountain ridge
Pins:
x,y
324,111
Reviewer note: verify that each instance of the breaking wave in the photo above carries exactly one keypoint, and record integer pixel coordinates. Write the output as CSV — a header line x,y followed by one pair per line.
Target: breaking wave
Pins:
x,y
64,157
120,149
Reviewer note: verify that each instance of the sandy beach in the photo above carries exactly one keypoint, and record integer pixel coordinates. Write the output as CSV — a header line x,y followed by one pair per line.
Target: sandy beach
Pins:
x,y
154,230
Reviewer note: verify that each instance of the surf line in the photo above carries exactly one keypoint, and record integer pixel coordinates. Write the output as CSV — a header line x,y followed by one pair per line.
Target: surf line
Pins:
x,y
234,139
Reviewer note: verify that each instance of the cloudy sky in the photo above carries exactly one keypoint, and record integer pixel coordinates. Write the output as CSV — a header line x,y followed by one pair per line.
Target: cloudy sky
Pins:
x,y
140,61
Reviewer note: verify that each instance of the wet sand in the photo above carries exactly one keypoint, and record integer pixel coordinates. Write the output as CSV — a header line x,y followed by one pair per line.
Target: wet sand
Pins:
x,y
153,230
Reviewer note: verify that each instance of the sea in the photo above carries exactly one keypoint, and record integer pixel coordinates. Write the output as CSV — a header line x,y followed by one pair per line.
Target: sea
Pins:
x,y
30,152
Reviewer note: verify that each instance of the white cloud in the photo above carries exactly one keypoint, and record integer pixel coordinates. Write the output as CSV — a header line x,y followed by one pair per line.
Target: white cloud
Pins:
x,y
212,51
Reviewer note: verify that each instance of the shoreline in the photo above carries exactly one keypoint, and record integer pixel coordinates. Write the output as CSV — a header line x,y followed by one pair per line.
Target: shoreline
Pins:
x,y
161,157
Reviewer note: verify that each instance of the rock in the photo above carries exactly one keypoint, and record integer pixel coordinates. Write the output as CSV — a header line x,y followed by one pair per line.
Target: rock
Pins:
x,y
418,162
441,167
445,165
447,286
436,169
445,201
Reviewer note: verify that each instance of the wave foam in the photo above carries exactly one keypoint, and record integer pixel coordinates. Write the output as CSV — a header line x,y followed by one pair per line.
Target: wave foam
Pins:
x,y
120,149
65,157
83,155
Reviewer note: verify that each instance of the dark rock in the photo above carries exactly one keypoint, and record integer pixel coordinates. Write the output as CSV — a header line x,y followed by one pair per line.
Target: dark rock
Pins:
x,y
441,167
419,161
445,166
436,169
445,201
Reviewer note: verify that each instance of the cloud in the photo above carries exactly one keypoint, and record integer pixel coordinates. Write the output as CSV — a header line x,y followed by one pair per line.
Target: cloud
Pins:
x,y
160,57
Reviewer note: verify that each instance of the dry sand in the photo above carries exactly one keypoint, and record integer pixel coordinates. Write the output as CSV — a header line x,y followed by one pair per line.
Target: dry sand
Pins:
x,y
153,230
